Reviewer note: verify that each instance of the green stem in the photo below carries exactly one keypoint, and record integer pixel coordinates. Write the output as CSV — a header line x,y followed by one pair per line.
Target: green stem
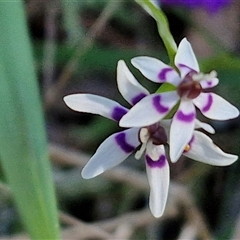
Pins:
x,y
163,28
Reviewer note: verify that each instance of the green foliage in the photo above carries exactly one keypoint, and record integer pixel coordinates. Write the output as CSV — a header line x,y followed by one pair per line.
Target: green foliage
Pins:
x,y
23,148
166,87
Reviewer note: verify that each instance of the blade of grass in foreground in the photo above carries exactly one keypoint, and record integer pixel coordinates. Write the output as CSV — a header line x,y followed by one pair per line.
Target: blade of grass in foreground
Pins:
x,y
23,147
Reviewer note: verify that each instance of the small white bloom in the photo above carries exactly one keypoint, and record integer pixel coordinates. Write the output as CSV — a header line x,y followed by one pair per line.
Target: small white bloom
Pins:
x,y
117,147
190,85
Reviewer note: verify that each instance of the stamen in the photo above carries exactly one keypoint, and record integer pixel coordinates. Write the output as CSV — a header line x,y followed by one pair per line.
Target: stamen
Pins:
x,y
190,87
187,148
213,74
144,135
198,77
157,134
201,76
150,137
139,153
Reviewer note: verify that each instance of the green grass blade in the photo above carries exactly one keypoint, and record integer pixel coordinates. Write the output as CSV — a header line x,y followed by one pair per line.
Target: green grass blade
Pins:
x,y
23,147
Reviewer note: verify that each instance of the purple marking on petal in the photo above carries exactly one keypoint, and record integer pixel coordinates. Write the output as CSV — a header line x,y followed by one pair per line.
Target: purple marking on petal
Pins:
x,y
156,164
118,113
163,74
180,65
191,141
209,103
183,66
185,117
121,141
209,83
137,98
158,106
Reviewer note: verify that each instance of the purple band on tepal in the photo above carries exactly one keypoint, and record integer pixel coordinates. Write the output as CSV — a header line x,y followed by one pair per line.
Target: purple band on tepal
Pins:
x,y
122,143
191,141
162,76
209,103
185,117
158,106
137,98
118,113
209,83
180,65
186,68
156,164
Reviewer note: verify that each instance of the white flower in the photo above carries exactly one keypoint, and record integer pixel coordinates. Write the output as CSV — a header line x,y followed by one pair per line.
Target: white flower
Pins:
x,y
190,86
117,147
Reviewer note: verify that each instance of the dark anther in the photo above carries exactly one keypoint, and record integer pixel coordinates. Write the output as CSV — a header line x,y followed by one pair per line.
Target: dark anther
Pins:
x,y
188,87
157,134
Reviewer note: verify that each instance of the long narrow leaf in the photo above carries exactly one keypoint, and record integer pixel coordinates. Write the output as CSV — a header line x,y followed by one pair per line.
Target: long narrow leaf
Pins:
x,y
23,148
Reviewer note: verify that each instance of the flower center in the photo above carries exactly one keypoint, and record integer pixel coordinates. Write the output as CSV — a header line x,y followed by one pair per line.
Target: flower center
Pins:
x,y
154,133
189,87
157,134
187,148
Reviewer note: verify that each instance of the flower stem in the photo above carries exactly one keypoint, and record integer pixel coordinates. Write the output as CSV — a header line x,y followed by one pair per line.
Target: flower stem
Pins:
x,y
163,27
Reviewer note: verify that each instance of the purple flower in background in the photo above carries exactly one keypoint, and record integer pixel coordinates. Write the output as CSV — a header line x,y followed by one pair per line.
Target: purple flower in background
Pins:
x,y
209,5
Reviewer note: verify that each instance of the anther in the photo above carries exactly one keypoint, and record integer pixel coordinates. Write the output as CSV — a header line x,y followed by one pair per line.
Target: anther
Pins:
x,y
139,153
187,148
200,76
190,87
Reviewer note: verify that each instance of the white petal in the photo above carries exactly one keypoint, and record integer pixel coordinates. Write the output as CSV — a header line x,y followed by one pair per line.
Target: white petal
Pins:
x,y
154,151
150,110
155,70
90,103
215,107
207,127
205,84
128,86
203,149
185,59
158,178
115,149
181,129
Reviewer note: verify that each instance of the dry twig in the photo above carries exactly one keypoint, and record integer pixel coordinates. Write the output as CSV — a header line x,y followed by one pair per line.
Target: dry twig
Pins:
x,y
84,230
178,196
